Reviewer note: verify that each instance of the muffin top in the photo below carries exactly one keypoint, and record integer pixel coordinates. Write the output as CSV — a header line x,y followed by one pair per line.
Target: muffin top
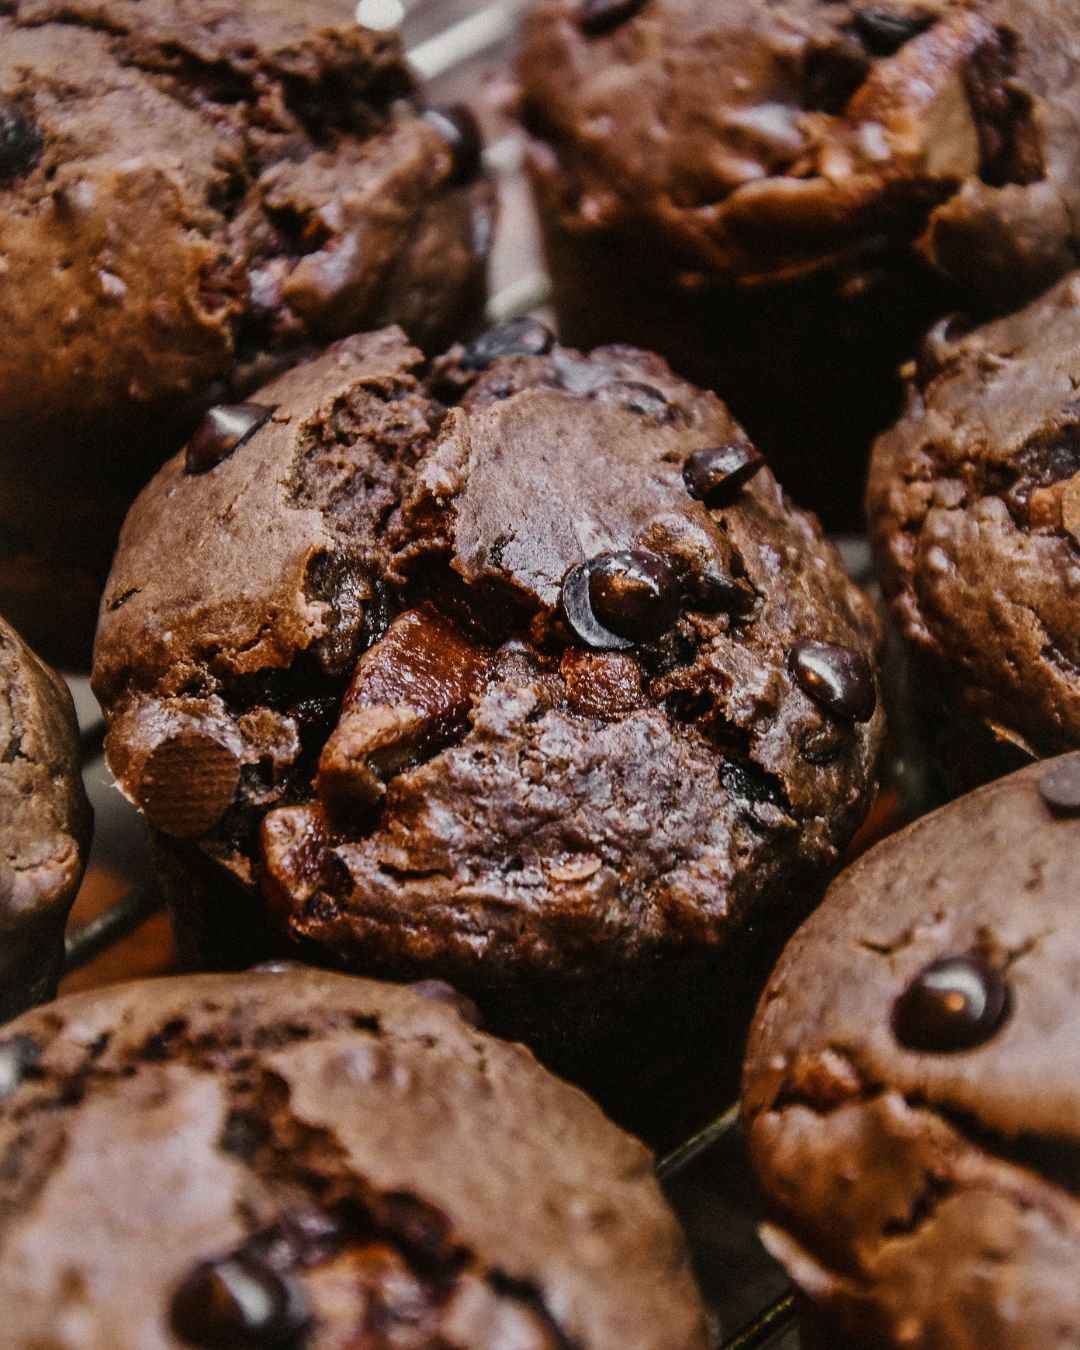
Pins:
x,y
974,503
764,142
45,814
911,1085
519,658
320,1161
189,186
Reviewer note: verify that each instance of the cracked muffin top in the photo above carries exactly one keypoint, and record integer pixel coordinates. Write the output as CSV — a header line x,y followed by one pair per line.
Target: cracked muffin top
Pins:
x,y
321,1161
974,504
189,189
502,663
764,142
46,823
910,1089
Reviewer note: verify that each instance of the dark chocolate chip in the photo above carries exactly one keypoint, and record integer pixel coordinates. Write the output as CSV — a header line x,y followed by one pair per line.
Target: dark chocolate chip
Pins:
x,y
636,398
618,600
1059,785
884,33
441,992
954,1004
238,1303
21,143
601,16
717,474
458,127
516,337
577,607
17,1056
838,678
222,430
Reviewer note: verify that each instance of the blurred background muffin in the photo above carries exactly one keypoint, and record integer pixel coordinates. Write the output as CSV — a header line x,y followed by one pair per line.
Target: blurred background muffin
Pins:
x,y
46,824
910,1093
780,198
192,195
293,1158
974,508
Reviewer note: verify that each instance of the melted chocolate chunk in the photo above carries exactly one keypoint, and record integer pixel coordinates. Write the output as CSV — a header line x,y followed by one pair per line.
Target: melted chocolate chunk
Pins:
x,y
601,16
883,33
718,473
238,1303
637,398
954,1004
458,128
836,677
1059,785
17,1057
21,143
517,337
619,600
223,430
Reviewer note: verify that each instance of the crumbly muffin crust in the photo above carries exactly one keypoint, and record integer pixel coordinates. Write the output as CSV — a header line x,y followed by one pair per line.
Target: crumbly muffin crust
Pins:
x,y
46,820
376,1168
974,511
910,1085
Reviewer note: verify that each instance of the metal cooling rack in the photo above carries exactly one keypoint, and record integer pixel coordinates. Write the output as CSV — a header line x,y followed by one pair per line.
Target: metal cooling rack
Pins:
x,y
462,48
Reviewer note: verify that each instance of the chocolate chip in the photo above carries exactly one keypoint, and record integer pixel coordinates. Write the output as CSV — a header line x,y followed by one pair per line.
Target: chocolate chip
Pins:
x,y
223,430
838,678
458,127
238,1302
749,782
884,33
637,398
954,1004
516,337
717,474
1059,785
577,607
441,992
634,594
618,600
21,143
17,1056
601,16
187,783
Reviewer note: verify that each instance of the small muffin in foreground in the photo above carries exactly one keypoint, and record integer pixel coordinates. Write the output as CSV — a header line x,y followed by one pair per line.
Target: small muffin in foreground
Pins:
x,y
518,670
912,1084
192,194
46,824
291,1158
974,508
781,197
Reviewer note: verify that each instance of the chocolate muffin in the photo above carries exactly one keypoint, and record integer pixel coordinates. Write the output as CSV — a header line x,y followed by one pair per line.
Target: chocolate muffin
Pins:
x,y
974,504
296,1158
910,1092
780,198
518,670
192,193
46,823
